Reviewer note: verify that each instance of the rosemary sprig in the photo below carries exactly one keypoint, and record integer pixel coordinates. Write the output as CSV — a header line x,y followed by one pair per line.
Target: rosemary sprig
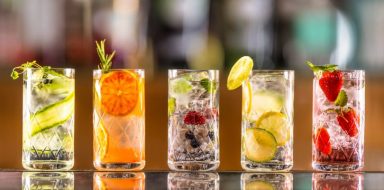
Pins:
x,y
17,71
105,59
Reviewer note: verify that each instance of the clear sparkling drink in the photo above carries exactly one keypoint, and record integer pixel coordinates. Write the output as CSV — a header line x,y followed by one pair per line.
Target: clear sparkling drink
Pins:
x,y
338,126
193,120
118,120
48,119
267,121
281,181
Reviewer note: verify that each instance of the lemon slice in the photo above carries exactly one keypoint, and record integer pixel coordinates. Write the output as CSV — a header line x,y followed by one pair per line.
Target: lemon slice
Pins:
x,y
247,98
259,145
259,185
171,106
102,140
275,123
240,72
264,101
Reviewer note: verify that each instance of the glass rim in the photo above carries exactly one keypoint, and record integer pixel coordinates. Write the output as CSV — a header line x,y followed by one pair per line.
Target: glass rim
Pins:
x,y
120,69
53,68
194,70
272,71
347,74
352,71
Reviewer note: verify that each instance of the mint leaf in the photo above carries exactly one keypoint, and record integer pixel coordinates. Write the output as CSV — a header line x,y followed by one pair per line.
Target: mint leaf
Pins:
x,y
341,99
320,68
208,85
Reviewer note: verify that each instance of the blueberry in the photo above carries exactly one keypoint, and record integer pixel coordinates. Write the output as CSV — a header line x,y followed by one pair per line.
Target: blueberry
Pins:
x,y
210,134
189,135
195,143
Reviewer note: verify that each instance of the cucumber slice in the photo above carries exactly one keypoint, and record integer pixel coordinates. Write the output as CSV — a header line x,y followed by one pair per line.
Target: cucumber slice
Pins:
x,y
259,185
55,85
260,145
275,123
52,115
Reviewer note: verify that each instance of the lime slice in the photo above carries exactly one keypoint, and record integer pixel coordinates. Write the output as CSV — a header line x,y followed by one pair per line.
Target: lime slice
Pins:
x,y
275,123
240,72
264,101
102,140
259,185
180,86
52,115
260,145
171,105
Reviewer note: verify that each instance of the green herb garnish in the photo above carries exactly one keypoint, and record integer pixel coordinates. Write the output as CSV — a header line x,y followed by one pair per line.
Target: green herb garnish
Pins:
x,y
17,71
105,59
208,85
320,68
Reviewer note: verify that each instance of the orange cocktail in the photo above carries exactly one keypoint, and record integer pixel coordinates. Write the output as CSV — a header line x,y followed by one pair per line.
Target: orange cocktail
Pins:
x,y
118,119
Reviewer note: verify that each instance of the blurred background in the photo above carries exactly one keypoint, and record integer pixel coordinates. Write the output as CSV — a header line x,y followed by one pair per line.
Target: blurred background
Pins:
x,y
199,34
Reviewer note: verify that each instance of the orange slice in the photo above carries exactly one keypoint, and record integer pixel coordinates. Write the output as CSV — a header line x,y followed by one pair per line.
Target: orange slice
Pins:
x,y
119,92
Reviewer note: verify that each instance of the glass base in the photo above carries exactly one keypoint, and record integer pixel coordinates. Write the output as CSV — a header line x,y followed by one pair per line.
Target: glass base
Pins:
x,y
339,167
193,166
47,165
133,166
265,167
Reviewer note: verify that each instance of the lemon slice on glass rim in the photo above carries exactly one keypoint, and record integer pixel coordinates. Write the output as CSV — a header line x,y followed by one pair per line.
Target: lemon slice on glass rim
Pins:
x,y
240,71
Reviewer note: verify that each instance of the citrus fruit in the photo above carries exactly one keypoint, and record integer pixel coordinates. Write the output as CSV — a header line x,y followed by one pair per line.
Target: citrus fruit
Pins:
x,y
239,72
275,123
247,98
119,92
260,145
264,101
180,86
171,105
102,140
259,185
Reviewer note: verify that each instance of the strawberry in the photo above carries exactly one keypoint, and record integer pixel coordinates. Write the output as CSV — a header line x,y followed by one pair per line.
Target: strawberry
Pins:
x,y
348,121
322,142
194,118
331,83
331,80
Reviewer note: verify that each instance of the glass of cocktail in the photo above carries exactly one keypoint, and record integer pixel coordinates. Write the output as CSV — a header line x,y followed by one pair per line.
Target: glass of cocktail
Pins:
x,y
338,119
267,116
193,120
267,121
118,119
48,116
